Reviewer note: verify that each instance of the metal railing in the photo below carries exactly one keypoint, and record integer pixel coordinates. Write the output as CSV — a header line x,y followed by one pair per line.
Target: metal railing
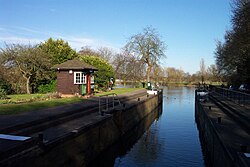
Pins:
x,y
236,96
107,101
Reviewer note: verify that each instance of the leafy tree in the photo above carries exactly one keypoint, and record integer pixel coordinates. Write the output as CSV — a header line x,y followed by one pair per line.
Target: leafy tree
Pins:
x,y
59,50
10,78
29,61
233,56
213,74
148,47
174,75
105,70
3,83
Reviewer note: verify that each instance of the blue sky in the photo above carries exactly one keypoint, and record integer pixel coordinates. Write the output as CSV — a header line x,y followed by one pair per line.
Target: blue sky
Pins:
x,y
189,28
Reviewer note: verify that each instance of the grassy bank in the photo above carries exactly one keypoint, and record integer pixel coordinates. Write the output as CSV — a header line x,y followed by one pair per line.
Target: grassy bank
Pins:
x,y
36,105
31,102
118,91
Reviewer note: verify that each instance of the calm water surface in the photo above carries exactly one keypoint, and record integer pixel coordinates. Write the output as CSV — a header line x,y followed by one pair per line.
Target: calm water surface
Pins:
x,y
172,140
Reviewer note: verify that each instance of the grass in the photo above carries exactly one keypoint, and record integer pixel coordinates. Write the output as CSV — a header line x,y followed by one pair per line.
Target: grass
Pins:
x,y
16,104
20,98
118,91
33,106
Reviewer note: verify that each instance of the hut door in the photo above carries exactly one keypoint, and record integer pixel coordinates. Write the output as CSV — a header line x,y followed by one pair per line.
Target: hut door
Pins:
x,y
83,89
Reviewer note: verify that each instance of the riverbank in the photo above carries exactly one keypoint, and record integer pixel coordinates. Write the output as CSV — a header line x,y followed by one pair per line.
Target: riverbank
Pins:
x,y
16,104
71,137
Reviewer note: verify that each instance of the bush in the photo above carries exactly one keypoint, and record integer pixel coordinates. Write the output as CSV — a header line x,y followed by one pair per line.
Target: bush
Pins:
x,y
47,88
3,94
5,86
104,73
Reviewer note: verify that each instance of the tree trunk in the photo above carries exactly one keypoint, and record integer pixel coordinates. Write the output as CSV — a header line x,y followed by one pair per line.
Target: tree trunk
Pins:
x,y
124,81
28,85
148,73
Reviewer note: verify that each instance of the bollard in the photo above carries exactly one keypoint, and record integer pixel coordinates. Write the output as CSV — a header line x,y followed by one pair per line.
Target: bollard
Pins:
x,y
210,107
243,148
139,99
124,105
219,120
147,95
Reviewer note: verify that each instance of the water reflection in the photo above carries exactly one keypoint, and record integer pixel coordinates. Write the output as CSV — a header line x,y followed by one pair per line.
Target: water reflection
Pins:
x,y
171,140
122,147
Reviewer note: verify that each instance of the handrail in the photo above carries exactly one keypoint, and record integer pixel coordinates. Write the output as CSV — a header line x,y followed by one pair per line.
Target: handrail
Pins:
x,y
236,96
106,101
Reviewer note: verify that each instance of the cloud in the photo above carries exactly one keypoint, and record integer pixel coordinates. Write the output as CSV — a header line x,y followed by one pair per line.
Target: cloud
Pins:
x,y
20,40
23,35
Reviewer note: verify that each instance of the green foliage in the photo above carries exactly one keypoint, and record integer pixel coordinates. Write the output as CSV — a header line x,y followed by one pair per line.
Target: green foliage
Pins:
x,y
5,86
105,70
47,88
59,50
27,61
3,93
233,56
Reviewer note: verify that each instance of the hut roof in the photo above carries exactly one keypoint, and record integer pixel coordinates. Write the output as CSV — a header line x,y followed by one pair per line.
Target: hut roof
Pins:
x,y
74,64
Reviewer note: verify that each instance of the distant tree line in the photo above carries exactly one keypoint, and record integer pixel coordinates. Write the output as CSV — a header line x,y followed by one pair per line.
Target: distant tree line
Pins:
x,y
233,54
28,68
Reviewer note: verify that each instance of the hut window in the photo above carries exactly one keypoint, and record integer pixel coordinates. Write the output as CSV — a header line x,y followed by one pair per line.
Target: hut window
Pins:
x,y
79,78
92,79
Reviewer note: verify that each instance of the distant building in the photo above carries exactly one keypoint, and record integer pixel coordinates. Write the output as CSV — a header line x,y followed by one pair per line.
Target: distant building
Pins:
x,y
75,77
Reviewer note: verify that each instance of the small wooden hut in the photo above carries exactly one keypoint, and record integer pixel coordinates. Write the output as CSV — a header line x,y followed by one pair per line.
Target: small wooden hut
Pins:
x,y
75,77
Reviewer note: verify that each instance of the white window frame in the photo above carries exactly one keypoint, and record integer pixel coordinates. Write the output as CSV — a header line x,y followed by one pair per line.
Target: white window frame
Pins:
x,y
92,79
79,78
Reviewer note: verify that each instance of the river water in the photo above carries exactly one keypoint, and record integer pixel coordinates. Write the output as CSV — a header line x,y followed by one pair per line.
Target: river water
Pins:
x,y
171,139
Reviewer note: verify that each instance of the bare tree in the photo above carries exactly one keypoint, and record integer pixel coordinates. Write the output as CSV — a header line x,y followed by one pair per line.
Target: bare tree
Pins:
x,y
148,47
202,70
106,53
128,68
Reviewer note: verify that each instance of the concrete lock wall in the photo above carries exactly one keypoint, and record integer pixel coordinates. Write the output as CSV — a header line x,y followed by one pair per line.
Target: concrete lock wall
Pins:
x,y
81,148
217,153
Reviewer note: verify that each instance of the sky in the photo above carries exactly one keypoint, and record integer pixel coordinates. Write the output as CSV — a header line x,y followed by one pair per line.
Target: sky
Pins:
x,y
189,28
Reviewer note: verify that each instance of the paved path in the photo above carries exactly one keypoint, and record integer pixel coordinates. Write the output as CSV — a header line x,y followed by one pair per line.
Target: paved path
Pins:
x,y
232,132
240,113
10,122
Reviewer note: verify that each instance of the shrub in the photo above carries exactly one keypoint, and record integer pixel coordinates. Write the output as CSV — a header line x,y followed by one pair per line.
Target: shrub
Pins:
x,y
3,94
47,88
104,73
